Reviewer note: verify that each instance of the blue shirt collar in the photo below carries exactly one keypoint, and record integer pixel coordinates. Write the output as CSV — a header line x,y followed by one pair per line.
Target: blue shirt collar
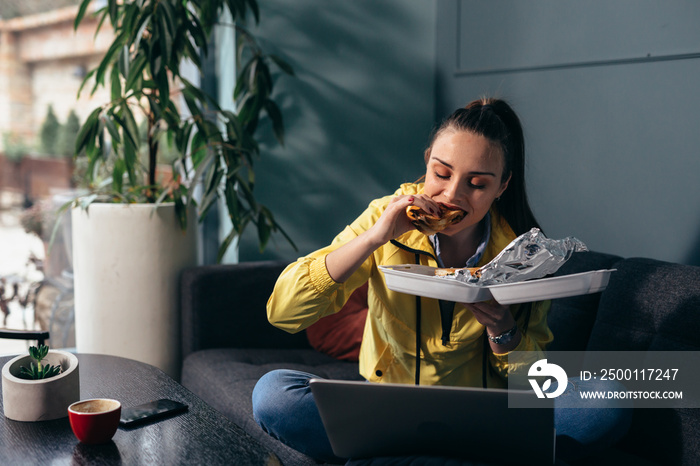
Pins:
x,y
473,260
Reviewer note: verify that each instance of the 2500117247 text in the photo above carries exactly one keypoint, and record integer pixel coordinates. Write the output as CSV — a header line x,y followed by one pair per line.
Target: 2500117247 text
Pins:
x,y
631,374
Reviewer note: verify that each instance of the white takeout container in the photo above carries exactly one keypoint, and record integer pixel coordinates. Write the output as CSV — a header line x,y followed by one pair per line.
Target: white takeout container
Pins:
x,y
421,280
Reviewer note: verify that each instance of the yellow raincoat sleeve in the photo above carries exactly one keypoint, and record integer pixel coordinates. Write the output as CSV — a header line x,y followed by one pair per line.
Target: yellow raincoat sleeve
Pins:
x,y
305,292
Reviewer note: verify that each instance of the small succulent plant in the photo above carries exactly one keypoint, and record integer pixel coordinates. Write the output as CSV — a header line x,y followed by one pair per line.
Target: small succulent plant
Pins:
x,y
39,371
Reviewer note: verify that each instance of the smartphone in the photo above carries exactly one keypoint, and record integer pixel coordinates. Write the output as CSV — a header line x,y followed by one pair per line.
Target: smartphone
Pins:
x,y
150,411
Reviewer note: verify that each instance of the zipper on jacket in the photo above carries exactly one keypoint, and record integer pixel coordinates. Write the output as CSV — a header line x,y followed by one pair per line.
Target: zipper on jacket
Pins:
x,y
418,330
417,253
446,307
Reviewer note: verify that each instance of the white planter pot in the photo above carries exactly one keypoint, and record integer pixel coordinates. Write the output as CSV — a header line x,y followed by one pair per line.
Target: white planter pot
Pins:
x,y
44,399
127,261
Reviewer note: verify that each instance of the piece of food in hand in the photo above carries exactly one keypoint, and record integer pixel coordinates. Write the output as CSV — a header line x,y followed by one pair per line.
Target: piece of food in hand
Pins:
x,y
430,224
452,272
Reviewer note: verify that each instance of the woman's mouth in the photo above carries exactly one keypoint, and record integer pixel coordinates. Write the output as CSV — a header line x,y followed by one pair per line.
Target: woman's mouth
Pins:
x,y
448,206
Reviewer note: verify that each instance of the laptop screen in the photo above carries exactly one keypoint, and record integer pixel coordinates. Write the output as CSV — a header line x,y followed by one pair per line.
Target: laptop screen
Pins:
x,y
364,419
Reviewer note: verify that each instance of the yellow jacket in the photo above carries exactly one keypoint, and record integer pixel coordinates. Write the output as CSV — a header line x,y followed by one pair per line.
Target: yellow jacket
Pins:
x,y
305,293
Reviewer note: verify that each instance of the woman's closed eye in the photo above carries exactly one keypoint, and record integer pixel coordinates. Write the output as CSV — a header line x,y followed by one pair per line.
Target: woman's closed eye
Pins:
x,y
474,182
477,182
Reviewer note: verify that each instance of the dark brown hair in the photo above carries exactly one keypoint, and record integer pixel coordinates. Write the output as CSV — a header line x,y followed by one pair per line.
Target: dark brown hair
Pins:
x,y
495,120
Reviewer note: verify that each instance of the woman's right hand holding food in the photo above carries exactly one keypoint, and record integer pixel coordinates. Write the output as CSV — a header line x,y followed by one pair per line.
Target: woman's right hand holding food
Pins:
x,y
394,222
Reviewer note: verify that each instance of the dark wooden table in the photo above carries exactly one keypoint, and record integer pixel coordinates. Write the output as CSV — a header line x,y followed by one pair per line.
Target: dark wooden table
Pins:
x,y
199,436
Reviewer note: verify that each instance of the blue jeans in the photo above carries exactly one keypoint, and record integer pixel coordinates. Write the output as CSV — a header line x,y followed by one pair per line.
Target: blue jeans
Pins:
x,y
284,407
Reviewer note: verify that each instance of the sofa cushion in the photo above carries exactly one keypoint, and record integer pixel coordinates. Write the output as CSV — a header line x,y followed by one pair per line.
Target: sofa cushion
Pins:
x,y
224,306
224,378
571,319
649,305
339,335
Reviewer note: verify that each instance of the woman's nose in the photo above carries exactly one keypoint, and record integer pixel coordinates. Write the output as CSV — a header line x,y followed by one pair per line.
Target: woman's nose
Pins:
x,y
453,192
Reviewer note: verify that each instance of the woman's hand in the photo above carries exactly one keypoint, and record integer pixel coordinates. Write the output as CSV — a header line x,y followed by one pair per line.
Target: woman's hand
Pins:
x,y
497,319
394,222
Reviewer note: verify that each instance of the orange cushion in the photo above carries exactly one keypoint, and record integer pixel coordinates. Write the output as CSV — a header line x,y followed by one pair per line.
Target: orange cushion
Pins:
x,y
339,335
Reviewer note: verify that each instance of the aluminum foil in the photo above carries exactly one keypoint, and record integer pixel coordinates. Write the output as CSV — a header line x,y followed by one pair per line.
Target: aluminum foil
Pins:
x,y
530,255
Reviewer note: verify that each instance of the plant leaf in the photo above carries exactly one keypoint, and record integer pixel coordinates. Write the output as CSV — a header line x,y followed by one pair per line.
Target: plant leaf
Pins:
x,y
142,24
233,234
51,371
192,53
87,129
242,84
135,73
115,83
166,37
237,9
275,115
181,212
199,94
282,64
232,203
199,171
118,170
109,57
130,161
103,15
130,127
124,61
254,8
198,149
81,13
263,230
57,223
198,32
247,192
87,77
84,202
112,129
112,6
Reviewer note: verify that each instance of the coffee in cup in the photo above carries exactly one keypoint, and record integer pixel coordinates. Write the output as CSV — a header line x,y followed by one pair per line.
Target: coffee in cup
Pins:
x,y
94,421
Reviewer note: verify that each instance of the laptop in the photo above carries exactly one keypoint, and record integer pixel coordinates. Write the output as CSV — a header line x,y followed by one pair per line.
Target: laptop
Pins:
x,y
364,420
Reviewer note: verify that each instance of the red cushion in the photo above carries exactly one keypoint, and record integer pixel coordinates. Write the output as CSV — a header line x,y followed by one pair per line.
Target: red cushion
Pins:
x,y
339,335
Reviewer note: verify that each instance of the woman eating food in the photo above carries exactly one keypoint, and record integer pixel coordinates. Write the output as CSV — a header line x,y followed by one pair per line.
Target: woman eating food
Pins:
x,y
470,206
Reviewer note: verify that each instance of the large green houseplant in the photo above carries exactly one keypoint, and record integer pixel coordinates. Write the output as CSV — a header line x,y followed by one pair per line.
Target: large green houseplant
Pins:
x,y
216,147
127,248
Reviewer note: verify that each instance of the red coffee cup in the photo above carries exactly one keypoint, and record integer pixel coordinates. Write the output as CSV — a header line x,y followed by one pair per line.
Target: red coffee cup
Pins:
x,y
94,421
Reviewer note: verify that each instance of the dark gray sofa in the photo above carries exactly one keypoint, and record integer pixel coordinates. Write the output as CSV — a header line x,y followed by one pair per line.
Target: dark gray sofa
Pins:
x,y
648,305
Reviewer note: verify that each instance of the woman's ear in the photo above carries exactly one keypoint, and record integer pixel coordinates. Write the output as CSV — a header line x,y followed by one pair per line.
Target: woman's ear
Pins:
x,y
504,185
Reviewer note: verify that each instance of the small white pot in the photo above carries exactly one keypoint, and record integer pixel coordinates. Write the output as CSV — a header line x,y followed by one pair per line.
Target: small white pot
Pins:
x,y
44,399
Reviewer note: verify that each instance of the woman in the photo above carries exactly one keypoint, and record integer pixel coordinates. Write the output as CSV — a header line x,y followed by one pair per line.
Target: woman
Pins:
x,y
475,162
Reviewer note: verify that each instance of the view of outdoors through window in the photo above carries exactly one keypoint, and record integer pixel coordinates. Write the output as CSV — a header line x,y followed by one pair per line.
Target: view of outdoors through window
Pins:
x,y
43,61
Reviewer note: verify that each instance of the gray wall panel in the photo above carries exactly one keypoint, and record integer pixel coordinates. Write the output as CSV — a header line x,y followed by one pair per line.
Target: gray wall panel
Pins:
x,y
614,154
507,34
